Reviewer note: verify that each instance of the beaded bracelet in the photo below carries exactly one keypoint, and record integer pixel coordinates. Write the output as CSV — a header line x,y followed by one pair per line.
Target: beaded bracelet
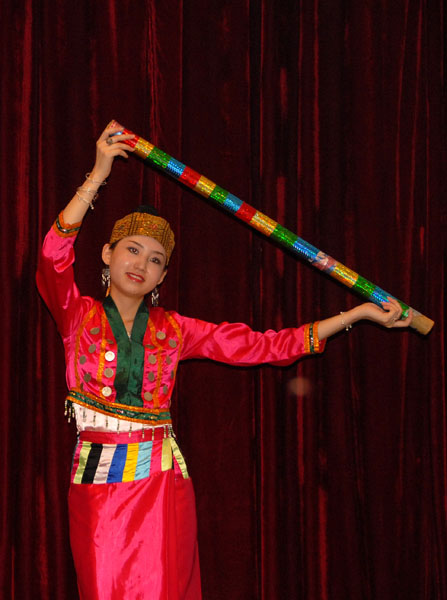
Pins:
x,y
84,200
347,327
91,192
87,176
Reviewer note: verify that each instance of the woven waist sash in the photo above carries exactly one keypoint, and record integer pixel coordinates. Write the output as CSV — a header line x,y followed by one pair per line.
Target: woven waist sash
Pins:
x,y
102,457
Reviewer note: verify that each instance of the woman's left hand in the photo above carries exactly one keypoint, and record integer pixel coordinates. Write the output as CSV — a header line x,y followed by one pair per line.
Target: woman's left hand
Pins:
x,y
389,316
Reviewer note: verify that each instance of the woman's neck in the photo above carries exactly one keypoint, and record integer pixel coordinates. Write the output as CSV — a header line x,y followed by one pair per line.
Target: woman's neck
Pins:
x,y
127,306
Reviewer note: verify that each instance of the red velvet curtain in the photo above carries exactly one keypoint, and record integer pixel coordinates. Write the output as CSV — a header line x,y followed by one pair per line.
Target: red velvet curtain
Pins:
x,y
324,480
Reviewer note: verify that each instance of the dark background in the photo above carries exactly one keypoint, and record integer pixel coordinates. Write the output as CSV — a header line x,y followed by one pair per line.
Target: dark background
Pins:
x,y
329,116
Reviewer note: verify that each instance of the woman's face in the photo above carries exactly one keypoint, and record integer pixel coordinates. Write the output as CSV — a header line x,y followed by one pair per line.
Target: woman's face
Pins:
x,y
137,264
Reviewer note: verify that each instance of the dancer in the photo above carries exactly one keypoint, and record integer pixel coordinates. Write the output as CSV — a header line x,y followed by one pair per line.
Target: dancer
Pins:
x,y
131,501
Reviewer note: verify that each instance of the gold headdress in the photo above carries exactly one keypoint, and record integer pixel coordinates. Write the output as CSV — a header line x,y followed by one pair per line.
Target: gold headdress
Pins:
x,y
145,221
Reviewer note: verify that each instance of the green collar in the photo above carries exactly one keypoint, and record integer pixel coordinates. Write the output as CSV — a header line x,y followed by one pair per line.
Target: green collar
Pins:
x,y
130,358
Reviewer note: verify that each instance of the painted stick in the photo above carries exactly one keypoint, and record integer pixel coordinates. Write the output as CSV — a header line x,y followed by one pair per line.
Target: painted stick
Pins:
x,y
246,213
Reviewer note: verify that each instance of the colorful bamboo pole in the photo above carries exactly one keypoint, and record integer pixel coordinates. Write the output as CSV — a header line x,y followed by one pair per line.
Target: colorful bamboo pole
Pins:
x,y
243,211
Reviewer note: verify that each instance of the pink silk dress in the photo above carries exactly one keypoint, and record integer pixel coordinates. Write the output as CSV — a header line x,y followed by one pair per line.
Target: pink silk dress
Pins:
x,y
131,500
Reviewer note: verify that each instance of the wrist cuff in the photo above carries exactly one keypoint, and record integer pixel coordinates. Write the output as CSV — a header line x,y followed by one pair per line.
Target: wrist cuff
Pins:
x,y
66,229
312,344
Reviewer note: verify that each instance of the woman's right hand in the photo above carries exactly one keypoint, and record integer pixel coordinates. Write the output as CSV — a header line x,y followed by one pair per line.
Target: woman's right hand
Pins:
x,y
106,152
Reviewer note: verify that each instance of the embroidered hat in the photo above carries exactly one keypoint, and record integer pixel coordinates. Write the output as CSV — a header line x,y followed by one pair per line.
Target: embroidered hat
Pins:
x,y
145,221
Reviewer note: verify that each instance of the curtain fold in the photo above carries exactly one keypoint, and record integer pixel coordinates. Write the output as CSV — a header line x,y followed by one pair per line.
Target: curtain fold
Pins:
x,y
323,480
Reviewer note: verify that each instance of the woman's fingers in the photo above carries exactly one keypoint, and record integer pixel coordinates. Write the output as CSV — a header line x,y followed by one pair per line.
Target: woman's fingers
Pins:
x,y
115,146
394,313
109,145
111,128
115,138
404,322
388,315
112,133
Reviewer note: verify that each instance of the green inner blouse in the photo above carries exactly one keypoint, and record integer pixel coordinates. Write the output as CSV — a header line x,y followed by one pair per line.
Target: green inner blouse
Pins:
x,y
130,356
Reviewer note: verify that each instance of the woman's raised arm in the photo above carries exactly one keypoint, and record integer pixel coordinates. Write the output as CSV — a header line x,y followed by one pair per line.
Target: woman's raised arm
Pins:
x,y
108,147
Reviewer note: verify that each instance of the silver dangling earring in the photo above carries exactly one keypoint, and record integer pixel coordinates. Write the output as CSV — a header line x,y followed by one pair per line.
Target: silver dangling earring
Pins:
x,y
155,296
105,279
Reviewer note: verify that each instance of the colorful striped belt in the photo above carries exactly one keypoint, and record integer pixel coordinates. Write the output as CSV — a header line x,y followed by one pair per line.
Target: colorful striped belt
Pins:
x,y
102,457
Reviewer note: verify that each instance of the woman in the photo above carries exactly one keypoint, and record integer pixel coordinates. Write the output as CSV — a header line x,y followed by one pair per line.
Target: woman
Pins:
x,y
131,502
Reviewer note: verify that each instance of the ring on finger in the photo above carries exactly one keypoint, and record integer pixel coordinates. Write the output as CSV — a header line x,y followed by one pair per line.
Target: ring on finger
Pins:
x,y
109,141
